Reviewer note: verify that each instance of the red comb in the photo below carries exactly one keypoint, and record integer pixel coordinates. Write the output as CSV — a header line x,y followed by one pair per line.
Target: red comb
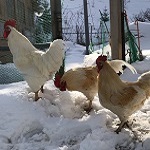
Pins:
x,y
101,58
10,22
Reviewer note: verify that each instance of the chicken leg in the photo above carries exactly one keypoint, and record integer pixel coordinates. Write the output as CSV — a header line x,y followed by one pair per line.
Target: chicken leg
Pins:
x,y
88,106
42,90
36,93
36,96
122,125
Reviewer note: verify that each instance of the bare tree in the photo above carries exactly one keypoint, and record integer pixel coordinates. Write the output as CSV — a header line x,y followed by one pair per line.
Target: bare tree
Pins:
x,y
143,16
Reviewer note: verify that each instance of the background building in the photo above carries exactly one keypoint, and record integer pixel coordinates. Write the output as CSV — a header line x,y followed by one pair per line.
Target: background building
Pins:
x,y
23,12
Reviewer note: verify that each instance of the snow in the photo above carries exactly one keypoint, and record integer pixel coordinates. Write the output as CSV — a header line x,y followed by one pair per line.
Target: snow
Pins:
x,y
58,122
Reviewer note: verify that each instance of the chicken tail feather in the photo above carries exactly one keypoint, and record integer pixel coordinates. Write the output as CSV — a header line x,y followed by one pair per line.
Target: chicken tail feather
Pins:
x,y
118,64
57,80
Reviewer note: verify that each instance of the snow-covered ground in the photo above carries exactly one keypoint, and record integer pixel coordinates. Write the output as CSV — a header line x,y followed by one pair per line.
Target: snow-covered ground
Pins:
x,y
58,121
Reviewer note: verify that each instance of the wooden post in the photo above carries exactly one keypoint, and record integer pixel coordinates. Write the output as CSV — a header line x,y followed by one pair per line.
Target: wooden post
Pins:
x,y
117,29
86,23
56,19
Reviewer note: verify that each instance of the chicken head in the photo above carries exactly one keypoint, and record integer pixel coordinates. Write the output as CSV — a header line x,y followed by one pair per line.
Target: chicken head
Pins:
x,y
7,29
100,60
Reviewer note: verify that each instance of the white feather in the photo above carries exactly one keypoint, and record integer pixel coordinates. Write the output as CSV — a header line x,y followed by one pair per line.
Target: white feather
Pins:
x,y
36,66
118,64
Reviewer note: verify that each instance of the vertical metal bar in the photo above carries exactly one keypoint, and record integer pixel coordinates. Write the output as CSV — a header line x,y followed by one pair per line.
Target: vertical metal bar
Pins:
x,y
91,35
86,26
56,19
116,28
122,30
138,33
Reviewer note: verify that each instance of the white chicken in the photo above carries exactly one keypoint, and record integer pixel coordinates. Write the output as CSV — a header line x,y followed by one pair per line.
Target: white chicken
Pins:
x,y
36,66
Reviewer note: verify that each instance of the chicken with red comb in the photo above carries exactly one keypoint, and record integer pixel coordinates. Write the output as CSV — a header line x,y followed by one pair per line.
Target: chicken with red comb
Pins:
x,y
121,97
36,66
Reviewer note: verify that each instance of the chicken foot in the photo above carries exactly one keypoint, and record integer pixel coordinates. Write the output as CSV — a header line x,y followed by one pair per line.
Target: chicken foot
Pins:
x,y
36,96
122,125
42,90
126,124
36,93
89,107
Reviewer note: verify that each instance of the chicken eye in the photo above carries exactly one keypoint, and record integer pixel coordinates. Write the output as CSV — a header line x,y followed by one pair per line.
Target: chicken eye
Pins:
x,y
7,29
100,64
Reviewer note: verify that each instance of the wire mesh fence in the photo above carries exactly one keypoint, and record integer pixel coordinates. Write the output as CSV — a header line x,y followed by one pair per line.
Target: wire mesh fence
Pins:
x,y
32,16
9,74
74,25
34,20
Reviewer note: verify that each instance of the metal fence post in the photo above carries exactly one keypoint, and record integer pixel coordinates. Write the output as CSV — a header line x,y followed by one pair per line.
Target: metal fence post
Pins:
x,y
86,26
56,19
